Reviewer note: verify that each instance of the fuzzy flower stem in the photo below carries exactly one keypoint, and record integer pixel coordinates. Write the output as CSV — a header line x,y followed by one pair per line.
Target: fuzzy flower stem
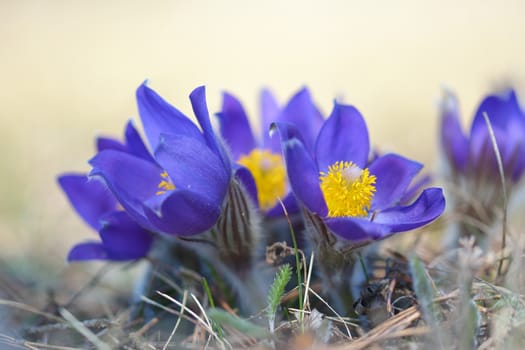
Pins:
x,y
335,264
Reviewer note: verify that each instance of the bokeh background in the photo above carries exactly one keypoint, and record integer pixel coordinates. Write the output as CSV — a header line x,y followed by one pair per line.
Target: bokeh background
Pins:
x,y
69,70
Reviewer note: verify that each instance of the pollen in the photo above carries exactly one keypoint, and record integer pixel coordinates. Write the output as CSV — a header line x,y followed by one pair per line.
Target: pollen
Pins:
x,y
165,184
348,190
269,174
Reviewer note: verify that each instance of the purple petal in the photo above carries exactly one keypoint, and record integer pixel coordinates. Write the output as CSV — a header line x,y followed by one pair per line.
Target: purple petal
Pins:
x,y
503,111
425,209
415,188
158,116
483,159
234,127
289,202
184,213
343,137
88,251
519,165
200,108
302,112
301,169
393,175
269,112
453,140
508,122
135,144
105,143
123,239
286,132
246,179
192,166
357,229
131,179
91,199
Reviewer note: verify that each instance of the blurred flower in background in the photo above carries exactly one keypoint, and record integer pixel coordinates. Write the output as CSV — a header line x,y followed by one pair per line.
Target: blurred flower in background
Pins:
x,y
471,163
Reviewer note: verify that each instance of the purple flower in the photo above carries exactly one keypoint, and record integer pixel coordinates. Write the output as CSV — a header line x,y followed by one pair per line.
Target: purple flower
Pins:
x,y
261,156
185,186
356,200
472,170
121,237
474,155
181,189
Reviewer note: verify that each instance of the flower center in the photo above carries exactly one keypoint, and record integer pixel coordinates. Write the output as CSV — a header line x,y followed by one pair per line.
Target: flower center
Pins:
x,y
269,174
348,190
165,184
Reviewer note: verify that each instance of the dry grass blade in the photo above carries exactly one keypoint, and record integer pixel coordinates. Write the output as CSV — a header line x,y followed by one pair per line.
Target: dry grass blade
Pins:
x,y
199,305
7,340
179,319
167,309
31,309
306,300
76,324
42,346
93,282
205,324
339,317
503,187
11,287
95,323
394,327
145,328
195,321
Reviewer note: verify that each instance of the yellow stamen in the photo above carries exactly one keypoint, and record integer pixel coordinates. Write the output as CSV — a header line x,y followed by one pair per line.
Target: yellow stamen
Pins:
x,y
348,190
269,174
165,184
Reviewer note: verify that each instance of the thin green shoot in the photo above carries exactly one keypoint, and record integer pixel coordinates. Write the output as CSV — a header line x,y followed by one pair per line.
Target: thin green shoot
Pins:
x,y
426,293
218,333
248,328
363,266
216,326
208,291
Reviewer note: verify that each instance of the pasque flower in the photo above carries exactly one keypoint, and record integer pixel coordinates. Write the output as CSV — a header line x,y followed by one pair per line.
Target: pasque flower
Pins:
x,y
262,155
186,185
182,190
349,200
472,167
356,200
474,155
121,237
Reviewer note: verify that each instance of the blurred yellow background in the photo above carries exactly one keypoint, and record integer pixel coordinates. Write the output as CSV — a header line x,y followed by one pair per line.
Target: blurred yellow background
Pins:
x,y
69,70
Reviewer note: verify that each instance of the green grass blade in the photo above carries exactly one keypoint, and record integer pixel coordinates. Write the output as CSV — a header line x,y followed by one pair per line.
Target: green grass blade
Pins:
x,y
224,318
